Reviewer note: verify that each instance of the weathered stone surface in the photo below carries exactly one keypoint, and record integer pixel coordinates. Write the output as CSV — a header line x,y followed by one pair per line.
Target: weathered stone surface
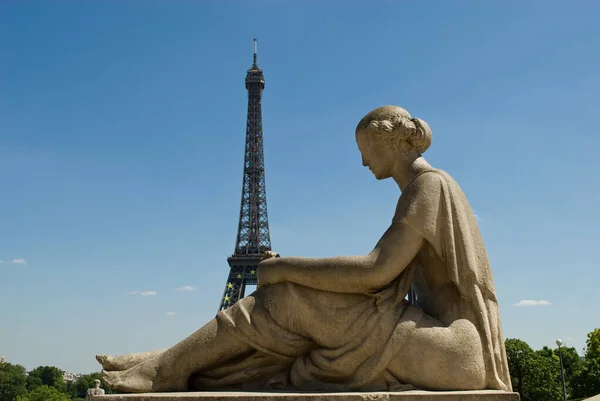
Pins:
x,y
342,323
486,395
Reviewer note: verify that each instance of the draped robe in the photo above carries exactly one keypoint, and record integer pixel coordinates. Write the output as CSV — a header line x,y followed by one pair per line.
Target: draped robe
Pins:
x,y
319,340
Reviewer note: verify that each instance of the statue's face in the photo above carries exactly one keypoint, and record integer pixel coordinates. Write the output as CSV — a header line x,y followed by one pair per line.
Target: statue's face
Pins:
x,y
377,156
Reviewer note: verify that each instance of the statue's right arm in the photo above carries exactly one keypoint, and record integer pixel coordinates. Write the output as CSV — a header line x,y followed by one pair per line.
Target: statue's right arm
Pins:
x,y
349,274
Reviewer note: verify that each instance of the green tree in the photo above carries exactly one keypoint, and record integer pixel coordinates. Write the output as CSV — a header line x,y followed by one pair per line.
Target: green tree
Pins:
x,y
50,376
572,362
33,382
12,382
586,381
543,381
45,393
71,390
592,345
519,355
535,375
546,352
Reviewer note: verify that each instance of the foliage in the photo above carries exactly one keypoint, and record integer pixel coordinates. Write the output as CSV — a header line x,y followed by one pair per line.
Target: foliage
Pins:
x,y
586,382
544,382
45,393
49,376
572,362
45,383
536,375
12,382
592,345
519,355
32,382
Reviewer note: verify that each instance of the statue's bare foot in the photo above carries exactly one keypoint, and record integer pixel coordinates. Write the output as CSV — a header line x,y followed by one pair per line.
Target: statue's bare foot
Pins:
x,y
170,380
118,363
137,379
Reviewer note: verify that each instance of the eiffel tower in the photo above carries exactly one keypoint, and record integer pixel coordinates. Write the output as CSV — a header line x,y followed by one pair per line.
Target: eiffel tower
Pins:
x,y
253,237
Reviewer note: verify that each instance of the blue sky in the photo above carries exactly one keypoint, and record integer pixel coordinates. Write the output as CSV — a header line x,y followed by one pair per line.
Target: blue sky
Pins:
x,y
121,146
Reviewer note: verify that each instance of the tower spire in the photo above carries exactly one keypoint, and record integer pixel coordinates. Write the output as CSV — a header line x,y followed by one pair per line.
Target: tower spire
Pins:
x,y
253,237
254,63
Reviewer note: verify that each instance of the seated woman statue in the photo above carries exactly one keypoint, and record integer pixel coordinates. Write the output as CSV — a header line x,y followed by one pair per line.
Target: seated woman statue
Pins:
x,y
342,323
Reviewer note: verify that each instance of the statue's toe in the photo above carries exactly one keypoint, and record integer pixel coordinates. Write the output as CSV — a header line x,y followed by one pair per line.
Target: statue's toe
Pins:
x,y
134,380
109,379
116,381
105,361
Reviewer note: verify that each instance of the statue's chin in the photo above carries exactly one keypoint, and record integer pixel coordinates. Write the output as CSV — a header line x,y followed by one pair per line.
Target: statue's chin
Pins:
x,y
380,177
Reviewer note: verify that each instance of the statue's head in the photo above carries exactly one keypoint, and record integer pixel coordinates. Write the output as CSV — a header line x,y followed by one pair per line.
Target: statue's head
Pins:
x,y
388,135
97,383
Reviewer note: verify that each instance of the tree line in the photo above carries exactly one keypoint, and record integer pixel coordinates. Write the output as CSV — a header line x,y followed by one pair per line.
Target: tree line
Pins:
x,y
535,375
44,383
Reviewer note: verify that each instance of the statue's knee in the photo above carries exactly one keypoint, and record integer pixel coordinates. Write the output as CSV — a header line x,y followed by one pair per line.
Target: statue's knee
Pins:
x,y
468,371
469,366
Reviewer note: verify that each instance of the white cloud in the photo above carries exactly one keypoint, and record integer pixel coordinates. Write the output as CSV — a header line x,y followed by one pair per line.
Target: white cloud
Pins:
x,y
531,302
186,288
170,314
18,261
569,342
143,293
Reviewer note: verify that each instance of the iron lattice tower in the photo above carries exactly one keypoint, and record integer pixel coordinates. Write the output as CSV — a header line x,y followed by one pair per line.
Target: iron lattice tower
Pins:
x,y
253,237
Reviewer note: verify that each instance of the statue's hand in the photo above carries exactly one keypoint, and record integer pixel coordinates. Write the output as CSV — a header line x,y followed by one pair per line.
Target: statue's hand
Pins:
x,y
269,255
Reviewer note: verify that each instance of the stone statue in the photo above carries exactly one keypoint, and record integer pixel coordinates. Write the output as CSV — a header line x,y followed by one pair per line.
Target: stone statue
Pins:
x,y
342,323
95,391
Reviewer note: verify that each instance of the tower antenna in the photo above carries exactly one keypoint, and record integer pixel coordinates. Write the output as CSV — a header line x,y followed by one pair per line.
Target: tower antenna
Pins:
x,y
254,52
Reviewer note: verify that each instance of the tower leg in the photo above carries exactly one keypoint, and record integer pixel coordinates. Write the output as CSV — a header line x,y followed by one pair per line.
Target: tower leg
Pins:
x,y
242,273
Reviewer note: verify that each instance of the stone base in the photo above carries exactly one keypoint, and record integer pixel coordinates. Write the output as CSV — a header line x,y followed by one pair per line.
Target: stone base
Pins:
x,y
487,395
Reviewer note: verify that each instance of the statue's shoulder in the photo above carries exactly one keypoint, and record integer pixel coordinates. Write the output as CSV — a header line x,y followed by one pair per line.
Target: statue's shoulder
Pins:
x,y
423,193
433,178
424,187
427,179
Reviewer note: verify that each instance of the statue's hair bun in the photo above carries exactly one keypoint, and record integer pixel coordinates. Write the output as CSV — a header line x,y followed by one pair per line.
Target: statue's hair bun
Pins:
x,y
421,139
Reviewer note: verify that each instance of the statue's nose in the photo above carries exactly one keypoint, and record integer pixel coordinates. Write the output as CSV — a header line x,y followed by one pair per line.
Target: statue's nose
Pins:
x,y
364,162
